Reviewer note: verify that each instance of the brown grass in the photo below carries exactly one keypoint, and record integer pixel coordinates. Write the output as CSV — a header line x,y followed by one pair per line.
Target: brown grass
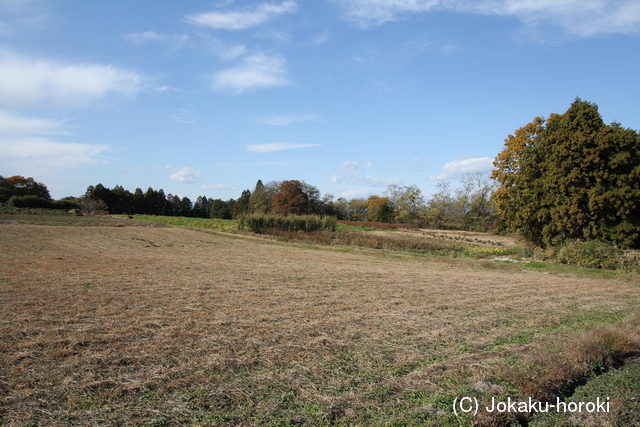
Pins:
x,y
166,326
379,225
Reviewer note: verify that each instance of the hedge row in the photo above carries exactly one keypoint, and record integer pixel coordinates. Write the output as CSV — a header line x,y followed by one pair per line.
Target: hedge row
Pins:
x,y
260,222
35,202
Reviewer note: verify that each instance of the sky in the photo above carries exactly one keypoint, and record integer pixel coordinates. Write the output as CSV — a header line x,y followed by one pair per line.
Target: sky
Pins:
x,y
207,97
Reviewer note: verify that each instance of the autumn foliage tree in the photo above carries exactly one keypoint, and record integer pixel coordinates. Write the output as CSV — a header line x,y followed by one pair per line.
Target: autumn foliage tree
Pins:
x,y
290,199
571,176
380,209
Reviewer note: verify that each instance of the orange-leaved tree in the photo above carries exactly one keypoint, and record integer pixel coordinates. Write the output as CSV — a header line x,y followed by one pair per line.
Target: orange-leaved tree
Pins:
x,y
290,199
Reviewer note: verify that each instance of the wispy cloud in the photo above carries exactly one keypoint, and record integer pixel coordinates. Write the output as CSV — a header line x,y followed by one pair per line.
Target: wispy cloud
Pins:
x,y
268,148
167,88
320,38
219,187
240,20
23,15
347,170
374,181
174,40
186,175
183,115
460,167
222,50
11,124
29,82
351,194
27,148
257,71
33,155
575,17
288,119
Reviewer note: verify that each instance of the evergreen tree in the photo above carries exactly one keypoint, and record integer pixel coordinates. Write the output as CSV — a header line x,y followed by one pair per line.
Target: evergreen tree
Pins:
x,y
185,207
221,209
122,200
571,177
173,205
138,201
260,200
241,207
201,207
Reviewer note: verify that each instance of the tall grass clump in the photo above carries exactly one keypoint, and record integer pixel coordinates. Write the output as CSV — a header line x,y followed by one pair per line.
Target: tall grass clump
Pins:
x,y
546,374
589,254
258,223
421,245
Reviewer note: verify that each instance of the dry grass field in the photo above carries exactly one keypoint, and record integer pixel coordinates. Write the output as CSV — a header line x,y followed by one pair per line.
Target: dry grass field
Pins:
x,y
148,325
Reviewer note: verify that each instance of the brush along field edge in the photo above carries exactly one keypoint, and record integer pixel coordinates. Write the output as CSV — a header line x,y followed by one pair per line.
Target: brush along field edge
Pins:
x,y
135,325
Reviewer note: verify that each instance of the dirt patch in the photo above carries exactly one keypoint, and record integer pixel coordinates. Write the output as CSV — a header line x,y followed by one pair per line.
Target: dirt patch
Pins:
x,y
474,237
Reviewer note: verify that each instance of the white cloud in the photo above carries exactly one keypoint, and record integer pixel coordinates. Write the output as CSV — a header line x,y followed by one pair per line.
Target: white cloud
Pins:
x,y
24,149
24,15
219,187
268,148
33,155
351,194
320,38
460,167
369,164
374,181
576,17
167,88
186,175
349,166
27,82
240,20
287,119
374,12
139,39
347,170
258,71
222,50
15,125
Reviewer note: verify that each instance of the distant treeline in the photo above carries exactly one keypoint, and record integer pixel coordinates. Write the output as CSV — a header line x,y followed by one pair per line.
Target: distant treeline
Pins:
x,y
467,207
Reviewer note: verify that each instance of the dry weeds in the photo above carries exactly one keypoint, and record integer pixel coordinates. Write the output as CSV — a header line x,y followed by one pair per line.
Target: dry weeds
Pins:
x,y
167,326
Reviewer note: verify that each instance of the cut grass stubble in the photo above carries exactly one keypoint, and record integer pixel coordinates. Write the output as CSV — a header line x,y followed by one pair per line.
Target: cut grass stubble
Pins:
x,y
135,325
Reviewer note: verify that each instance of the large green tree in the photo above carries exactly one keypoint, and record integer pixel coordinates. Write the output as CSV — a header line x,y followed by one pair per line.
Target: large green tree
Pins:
x,y
571,177
20,186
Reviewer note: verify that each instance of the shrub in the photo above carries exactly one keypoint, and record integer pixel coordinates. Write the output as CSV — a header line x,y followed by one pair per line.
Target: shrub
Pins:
x,y
35,202
590,254
630,260
258,223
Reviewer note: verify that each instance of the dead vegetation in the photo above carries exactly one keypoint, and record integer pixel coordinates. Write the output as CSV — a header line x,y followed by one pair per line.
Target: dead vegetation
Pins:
x,y
135,325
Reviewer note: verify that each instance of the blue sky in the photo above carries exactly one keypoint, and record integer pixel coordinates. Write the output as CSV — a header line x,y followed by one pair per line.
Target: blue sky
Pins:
x,y
207,97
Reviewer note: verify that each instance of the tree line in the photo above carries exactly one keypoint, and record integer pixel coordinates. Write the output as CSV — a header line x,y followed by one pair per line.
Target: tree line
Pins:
x,y
468,206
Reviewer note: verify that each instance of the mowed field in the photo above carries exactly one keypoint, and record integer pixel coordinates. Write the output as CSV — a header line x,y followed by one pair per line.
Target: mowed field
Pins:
x,y
148,325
